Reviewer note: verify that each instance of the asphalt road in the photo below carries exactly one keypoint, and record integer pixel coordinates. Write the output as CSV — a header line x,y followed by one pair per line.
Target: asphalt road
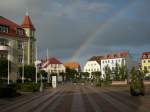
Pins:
x,y
79,98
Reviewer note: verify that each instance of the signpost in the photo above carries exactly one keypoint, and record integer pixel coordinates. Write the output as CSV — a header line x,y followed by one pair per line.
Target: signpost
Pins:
x,y
54,81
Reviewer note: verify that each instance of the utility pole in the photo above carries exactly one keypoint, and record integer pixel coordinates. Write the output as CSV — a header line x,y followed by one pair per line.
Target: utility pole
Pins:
x,y
36,64
23,63
8,69
47,67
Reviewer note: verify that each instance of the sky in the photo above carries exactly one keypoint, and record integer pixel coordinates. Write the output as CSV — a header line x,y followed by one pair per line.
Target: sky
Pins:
x,y
78,29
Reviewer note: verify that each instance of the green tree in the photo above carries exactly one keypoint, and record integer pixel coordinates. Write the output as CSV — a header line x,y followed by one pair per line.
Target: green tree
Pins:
x,y
85,75
123,71
71,74
117,72
136,84
145,71
43,73
97,77
4,67
29,72
107,73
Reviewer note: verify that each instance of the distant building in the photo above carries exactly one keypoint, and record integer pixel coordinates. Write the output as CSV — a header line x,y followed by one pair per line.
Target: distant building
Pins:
x,y
111,60
12,39
53,65
73,65
93,65
145,61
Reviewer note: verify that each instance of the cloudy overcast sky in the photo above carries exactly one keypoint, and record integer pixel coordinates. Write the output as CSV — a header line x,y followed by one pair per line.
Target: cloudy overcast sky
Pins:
x,y
79,29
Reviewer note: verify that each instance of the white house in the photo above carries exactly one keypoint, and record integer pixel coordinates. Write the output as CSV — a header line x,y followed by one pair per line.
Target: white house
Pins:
x,y
110,60
53,65
93,65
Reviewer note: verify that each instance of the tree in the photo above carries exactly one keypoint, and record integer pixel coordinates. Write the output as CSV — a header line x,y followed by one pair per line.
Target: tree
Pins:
x,y
107,73
85,75
43,73
145,71
4,67
29,72
116,71
97,77
71,74
136,84
123,71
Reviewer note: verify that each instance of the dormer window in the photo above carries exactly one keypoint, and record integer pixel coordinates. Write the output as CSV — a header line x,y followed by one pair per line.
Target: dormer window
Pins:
x,y
19,31
4,28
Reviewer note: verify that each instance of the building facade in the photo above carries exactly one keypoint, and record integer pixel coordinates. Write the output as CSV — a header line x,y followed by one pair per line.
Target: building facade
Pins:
x,y
73,65
145,61
13,37
93,65
116,59
53,66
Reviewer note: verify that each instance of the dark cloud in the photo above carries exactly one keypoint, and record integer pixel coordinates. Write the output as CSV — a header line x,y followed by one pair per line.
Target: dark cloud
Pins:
x,y
63,26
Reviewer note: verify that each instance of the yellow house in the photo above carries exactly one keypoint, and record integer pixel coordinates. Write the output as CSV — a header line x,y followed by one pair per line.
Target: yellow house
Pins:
x,y
145,61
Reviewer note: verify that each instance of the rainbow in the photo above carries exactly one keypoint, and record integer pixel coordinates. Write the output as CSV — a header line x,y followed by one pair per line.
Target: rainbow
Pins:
x,y
100,30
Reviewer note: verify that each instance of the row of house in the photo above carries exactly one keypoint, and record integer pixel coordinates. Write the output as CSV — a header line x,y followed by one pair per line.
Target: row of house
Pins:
x,y
54,66
98,63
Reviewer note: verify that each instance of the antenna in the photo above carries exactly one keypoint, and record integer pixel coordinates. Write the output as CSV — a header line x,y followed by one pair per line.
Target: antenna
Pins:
x,y
27,12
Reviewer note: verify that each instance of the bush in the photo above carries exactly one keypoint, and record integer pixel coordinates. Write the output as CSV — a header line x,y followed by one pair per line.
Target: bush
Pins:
x,y
136,85
107,83
8,90
28,87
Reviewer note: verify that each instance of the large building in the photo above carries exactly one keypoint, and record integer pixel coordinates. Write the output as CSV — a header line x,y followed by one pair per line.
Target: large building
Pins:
x,y
93,65
73,65
114,59
16,40
145,61
98,63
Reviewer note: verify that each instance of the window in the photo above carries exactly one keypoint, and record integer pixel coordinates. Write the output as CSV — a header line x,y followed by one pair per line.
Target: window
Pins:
x,y
112,61
4,28
20,45
149,61
144,61
20,60
3,42
19,31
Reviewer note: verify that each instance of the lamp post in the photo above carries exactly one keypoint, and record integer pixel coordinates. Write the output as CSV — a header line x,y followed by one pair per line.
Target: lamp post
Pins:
x,y
23,63
8,77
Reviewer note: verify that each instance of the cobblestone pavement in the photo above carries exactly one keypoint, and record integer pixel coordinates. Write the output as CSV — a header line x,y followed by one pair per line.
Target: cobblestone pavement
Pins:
x,y
79,98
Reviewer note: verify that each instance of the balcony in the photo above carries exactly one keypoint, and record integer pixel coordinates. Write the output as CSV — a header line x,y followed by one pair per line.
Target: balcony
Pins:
x,y
4,48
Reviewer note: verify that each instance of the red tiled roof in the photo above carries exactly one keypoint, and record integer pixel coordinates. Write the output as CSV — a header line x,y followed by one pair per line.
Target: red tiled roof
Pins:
x,y
145,55
12,27
96,58
72,65
51,61
110,56
27,23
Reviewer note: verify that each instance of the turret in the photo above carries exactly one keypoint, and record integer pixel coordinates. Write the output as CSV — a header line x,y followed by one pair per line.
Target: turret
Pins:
x,y
30,45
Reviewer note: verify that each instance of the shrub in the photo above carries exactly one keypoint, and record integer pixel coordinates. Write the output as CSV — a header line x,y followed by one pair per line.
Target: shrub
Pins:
x,y
136,85
28,87
8,90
